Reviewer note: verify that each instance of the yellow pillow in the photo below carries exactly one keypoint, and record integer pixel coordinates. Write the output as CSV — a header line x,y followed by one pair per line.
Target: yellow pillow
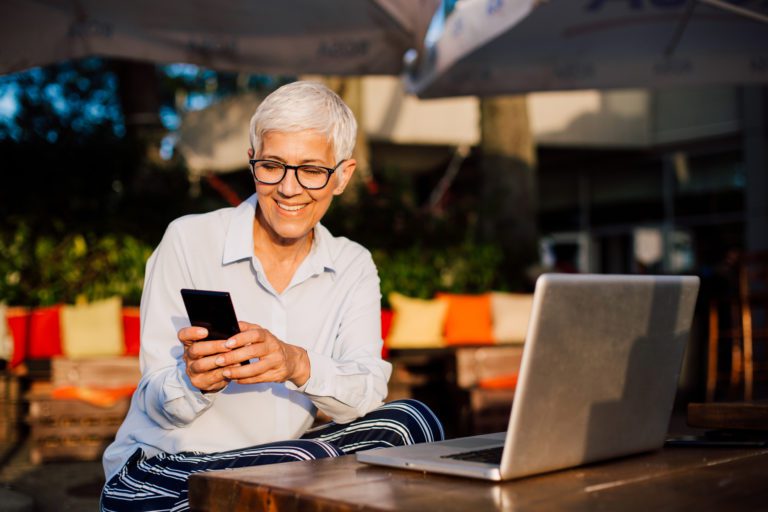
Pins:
x,y
6,341
510,316
92,330
417,323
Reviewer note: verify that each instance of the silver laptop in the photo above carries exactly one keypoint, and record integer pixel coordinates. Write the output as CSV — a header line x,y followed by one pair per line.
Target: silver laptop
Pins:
x,y
597,380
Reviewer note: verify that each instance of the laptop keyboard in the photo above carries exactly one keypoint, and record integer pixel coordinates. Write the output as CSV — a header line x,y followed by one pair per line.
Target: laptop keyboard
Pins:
x,y
488,455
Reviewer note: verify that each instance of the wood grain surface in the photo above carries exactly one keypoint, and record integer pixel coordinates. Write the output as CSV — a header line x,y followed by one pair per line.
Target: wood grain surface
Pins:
x,y
701,479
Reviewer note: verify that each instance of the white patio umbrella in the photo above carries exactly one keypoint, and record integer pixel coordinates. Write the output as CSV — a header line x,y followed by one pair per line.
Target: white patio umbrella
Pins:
x,y
347,37
517,46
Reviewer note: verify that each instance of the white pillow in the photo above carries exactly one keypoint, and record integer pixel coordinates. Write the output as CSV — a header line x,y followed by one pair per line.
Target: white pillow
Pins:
x,y
510,316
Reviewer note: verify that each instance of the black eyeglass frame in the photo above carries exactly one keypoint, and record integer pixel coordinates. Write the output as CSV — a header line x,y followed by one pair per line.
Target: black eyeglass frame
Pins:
x,y
329,170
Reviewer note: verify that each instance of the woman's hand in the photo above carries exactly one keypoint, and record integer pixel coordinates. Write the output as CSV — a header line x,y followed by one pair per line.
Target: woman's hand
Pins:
x,y
277,361
200,358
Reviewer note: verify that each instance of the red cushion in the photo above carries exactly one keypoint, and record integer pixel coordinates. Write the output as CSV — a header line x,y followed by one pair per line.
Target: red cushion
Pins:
x,y
45,333
18,324
386,325
131,330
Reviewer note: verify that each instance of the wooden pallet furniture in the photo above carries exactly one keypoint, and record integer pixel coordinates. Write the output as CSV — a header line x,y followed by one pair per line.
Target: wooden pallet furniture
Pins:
x,y
74,429
70,429
738,328
10,408
452,381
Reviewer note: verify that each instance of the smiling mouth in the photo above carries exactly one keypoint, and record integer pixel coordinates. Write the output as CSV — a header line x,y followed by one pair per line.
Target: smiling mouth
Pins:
x,y
291,207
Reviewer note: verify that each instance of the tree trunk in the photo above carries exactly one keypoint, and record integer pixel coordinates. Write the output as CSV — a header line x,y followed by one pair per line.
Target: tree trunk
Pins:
x,y
138,88
509,205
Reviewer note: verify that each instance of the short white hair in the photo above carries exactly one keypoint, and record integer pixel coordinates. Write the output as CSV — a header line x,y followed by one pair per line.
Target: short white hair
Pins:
x,y
305,105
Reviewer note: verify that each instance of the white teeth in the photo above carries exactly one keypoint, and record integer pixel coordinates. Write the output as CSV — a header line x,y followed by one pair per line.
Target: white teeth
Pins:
x,y
294,208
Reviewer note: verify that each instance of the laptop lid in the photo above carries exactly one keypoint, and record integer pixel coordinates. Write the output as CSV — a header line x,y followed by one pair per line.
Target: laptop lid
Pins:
x,y
597,380
600,369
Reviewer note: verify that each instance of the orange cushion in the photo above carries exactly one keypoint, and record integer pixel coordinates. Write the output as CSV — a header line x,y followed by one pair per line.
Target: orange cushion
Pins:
x,y
100,397
499,382
468,320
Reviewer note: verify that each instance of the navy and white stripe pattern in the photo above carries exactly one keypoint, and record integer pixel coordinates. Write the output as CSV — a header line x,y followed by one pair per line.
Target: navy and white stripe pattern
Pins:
x,y
160,482
397,423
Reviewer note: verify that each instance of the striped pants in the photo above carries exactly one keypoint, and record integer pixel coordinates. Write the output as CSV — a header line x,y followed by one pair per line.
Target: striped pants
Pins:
x,y
160,482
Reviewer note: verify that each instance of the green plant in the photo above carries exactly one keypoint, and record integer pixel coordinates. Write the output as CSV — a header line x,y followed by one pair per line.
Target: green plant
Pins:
x,y
15,262
421,271
44,269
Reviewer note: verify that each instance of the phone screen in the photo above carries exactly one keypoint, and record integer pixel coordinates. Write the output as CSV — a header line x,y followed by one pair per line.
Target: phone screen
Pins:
x,y
212,310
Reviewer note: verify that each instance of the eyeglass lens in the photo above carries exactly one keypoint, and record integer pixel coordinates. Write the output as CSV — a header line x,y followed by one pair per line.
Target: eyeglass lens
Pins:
x,y
309,176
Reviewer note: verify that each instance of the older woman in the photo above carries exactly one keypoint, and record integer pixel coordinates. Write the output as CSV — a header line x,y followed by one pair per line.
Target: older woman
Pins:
x,y
313,337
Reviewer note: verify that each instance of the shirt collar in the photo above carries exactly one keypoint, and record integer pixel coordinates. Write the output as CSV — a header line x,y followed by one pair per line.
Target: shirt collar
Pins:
x,y
321,254
238,244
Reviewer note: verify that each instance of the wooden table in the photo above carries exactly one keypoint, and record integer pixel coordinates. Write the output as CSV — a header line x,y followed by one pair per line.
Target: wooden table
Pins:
x,y
700,479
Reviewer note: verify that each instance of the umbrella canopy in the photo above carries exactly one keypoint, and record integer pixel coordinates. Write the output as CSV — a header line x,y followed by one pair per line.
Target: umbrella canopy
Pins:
x,y
348,37
489,48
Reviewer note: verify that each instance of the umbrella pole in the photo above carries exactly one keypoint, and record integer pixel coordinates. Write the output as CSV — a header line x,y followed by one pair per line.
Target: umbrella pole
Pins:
x,y
681,26
741,11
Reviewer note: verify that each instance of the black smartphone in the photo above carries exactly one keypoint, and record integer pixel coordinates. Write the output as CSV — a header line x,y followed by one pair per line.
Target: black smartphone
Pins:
x,y
212,310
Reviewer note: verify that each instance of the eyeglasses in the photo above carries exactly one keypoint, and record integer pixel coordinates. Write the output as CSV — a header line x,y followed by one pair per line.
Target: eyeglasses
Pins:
x,y
311,177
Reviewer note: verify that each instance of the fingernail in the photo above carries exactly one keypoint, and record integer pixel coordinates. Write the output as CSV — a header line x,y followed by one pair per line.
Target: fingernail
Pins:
x,y
230,343
219,360
227,373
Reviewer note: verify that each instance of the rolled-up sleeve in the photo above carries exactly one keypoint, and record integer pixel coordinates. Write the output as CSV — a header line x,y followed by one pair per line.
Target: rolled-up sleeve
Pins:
x,y
352,381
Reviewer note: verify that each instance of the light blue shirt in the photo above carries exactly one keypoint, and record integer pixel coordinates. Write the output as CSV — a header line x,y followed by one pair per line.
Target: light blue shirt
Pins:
x,y
331,308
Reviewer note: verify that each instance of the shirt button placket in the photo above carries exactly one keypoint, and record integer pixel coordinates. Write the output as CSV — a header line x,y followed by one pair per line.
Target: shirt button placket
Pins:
x,y
279,328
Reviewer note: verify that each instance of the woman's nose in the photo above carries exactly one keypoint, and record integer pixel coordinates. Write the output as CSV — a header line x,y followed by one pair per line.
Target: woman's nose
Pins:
x,y
290,186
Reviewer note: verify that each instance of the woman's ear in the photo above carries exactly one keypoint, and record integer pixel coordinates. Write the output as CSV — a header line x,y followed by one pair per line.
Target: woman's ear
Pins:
x,y
251,152
345,174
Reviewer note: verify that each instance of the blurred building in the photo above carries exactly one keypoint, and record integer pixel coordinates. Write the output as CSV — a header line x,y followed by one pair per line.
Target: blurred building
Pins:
x,y
629,180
